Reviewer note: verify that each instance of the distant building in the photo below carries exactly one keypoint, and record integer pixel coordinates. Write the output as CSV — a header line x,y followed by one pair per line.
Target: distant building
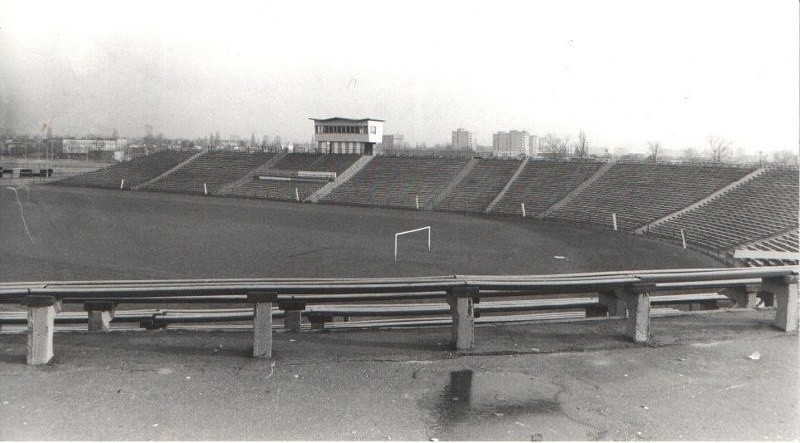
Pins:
x,y
393,141
72,146
533,145
511,144
347,136
462,139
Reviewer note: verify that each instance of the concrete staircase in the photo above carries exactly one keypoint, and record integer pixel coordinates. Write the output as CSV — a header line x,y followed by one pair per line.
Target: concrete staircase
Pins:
x,y
563,202
341,178
440,197
247,177
180,165
699,203
505,189
769,237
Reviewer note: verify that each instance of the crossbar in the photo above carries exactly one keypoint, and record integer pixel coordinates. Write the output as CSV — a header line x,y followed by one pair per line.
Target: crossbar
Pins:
x,y
411,232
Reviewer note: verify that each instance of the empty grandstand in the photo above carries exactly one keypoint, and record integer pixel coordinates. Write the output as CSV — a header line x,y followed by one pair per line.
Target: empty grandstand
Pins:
x,y
543,184
209,171
135,172
639,193
316,162
480,186
786,242
286,179
398,182
765,206
719,208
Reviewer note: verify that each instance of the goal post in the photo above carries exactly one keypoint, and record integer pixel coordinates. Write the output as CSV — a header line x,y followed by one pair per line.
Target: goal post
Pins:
x,y
396,236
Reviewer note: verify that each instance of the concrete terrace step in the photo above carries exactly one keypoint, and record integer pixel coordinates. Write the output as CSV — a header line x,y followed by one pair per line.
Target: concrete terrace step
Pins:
x,y
700,203
588,182
171,171
452,185
249,176
340,179
505,189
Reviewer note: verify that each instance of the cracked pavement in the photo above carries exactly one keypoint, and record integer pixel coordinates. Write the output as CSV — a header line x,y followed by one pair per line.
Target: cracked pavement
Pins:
x,y
554,381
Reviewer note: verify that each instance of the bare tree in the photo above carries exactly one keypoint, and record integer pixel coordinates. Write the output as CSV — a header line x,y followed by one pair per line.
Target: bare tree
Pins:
x,y
554,145
785,157
689,154
720,148
654,148
582,146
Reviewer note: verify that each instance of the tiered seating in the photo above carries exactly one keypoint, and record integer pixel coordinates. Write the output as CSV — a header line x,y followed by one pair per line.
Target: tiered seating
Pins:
x,y
395,181
765,206
276,190
788,242
297,162
215,169
543,184
640,193
480,186
134,172
337,163
285,189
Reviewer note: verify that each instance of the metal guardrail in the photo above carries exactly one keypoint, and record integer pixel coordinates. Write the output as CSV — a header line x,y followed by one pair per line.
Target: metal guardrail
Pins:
x,y
388,287
619,293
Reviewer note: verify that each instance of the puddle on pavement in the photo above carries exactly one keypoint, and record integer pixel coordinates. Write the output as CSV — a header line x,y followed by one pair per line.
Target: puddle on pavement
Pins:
x,y
471,396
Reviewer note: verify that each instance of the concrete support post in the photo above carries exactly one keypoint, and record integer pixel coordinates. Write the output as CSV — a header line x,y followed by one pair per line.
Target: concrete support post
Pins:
x,y
784,290
41,322
293,320
262,322
461,301
293,317
100,315
745,296
637,299
318,321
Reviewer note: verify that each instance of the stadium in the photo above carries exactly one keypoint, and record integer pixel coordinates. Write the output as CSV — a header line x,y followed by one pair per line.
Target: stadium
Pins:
x,y
719,208
182,239
428,221
300,215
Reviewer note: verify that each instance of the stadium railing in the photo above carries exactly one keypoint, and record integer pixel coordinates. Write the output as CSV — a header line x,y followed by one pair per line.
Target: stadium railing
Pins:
x,y
627,294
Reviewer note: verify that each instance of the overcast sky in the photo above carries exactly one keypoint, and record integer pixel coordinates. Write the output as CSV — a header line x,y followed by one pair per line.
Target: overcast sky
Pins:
x,y
626,72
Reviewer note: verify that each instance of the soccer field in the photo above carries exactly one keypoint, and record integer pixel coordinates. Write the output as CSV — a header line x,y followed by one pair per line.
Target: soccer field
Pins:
x,y
78,234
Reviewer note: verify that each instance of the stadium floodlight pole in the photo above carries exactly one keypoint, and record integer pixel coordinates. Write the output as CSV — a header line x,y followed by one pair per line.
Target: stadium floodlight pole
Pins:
x,y
614,219
523,209
410,232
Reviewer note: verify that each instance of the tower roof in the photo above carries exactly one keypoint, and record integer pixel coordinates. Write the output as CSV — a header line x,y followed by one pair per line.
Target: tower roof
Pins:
x,y
354,120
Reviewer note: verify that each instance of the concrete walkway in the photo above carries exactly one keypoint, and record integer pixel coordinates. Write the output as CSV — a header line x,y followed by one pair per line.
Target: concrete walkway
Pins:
x,y
575,381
